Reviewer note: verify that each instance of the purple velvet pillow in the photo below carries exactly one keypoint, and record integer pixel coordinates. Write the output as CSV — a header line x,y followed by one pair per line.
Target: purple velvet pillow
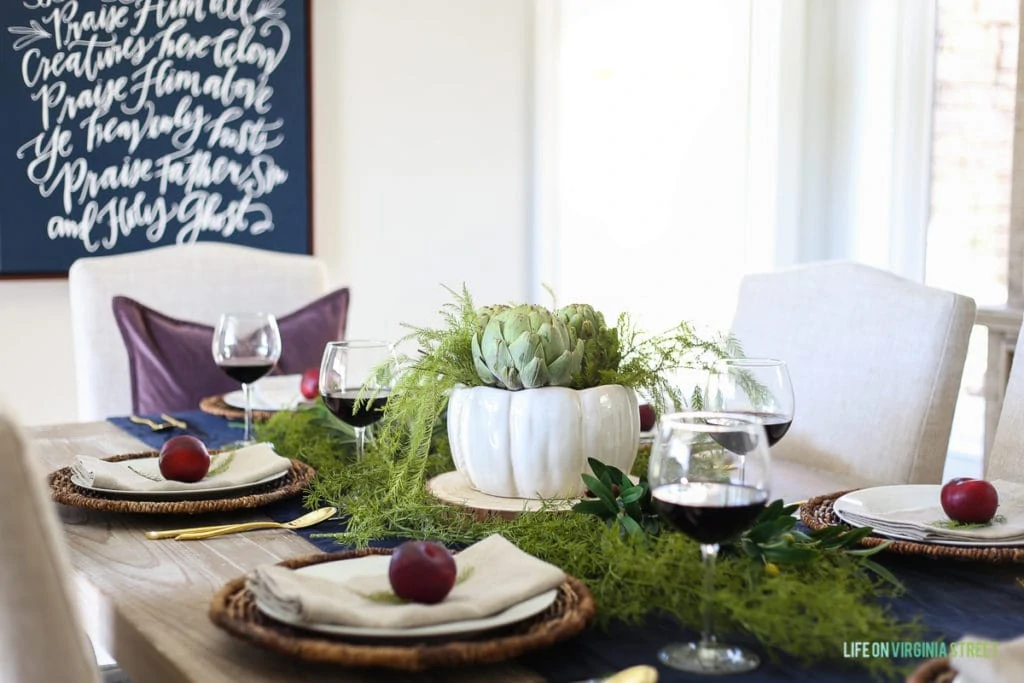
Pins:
x,y
171,361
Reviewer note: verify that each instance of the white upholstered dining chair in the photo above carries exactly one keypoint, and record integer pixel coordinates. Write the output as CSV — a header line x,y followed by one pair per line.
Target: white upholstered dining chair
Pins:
x,y
876,362
196,282
1006,460
41,639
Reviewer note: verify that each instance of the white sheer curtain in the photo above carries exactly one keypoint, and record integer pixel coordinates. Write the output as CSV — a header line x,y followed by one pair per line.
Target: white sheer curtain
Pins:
x,y
683,144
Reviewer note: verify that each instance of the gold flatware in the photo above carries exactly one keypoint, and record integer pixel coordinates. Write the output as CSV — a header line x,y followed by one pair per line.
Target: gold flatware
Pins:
x,y
327,512
173,421
182,425
171,533
635,674
306,520
155,426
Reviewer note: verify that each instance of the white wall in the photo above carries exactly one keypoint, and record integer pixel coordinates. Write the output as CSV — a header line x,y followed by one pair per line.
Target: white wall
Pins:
x,y
37,371
431,127
422,131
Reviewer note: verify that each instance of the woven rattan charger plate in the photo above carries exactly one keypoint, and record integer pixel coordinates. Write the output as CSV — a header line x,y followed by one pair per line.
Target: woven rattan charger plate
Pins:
x,y
234,610
215,405
817,513
62,490
933,671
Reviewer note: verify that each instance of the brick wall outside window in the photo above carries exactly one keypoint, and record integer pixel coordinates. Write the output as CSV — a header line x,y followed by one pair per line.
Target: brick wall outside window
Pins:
x,y
972,142
972,155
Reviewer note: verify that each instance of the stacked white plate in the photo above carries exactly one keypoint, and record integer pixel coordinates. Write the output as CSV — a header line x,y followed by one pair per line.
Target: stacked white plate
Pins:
x,y
277,392
345,570
913,512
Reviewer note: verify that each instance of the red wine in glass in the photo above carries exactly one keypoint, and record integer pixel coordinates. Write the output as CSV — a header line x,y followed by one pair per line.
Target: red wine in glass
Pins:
x,y
759,388
355,381
245,370
775,427
709,512
354,411
246,346
709,478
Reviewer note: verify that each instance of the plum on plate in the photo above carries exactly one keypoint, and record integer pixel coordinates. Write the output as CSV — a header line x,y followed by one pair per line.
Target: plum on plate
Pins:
x,y
184,458
968,500
422,571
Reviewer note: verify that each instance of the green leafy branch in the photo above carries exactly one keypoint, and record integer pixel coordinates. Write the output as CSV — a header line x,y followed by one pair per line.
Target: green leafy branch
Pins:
x,y
630,575
619,501
772,540
222,466
967,526
775,539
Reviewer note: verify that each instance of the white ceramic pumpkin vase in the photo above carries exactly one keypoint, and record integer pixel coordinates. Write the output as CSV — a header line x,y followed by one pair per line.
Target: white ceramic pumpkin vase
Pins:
x,y
534,443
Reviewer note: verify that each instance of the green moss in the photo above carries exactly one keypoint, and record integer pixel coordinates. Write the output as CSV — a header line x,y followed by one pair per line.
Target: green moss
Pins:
x,y
798,610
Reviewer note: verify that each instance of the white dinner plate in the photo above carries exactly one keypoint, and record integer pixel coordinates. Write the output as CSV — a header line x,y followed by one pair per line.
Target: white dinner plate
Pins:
x,y
279,392
343,570
883,499
197,494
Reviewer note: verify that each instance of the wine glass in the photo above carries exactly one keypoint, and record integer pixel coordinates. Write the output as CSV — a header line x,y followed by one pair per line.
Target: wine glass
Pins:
x,y
757,387
355,383
708,474
246,346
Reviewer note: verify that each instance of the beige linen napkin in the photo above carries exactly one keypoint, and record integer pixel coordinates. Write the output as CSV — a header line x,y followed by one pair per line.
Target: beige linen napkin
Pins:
x,y
917,523
249,465
1004,665
500,575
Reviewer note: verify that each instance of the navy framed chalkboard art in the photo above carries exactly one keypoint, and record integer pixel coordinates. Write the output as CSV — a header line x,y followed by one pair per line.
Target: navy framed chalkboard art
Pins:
x,y
131,124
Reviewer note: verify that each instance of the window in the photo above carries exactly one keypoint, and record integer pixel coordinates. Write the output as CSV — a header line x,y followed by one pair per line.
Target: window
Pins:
x,y
682,145
971,168
644,149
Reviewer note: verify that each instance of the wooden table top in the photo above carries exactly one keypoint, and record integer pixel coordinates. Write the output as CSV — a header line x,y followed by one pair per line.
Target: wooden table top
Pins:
x,y
146,601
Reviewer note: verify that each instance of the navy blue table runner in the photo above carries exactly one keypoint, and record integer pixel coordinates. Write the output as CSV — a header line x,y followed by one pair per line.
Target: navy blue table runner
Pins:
x,y
950,598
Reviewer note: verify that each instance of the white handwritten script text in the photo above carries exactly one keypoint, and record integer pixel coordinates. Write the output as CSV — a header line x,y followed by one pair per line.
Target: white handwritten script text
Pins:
x,y
155,116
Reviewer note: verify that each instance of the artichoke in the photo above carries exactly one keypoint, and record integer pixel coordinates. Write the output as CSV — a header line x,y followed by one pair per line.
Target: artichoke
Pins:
x,y
526,347
601,350
485,313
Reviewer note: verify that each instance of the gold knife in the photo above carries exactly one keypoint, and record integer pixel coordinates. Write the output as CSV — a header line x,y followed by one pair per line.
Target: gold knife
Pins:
x,y
634,674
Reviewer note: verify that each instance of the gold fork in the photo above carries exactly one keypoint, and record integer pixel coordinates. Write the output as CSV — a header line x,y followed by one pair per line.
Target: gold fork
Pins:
x,y
183,426
155,426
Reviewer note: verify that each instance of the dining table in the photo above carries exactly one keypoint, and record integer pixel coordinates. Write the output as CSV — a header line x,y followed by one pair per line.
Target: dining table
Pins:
x,y
146,602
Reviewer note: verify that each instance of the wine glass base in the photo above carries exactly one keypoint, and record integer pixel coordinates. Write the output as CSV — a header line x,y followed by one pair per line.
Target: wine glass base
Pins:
x,y
712,659
235,445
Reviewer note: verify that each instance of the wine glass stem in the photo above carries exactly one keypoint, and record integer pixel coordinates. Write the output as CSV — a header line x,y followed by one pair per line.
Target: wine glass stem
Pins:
x,y
360,442
247,390
708,553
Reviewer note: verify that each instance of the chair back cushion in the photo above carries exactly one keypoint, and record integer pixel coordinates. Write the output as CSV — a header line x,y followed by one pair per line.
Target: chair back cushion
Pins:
x,y
1006,460
41,638
171,360
876,362
194,282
